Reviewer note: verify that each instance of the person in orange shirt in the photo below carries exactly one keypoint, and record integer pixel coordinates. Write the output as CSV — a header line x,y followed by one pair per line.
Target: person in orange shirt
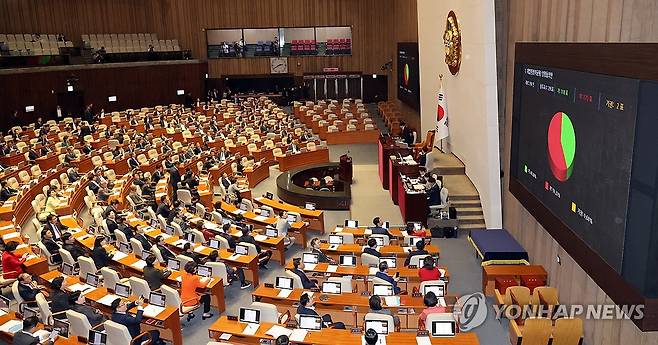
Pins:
x,y
189,283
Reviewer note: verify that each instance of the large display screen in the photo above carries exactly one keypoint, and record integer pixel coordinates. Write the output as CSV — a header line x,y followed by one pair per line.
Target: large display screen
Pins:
x,y
574,149
408,74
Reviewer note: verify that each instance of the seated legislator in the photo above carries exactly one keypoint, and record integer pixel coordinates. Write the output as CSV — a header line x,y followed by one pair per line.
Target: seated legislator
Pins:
x,y
431,301
264,256
120,315
420,250
383,274
306,308
26,335
298,269
12,265
51,246
6,192
377,229
429,271
153,275
54,227
99,254
315,249
189,283
69,244
62,300
230,271
375,303
372,248
164,251
52,202
28,289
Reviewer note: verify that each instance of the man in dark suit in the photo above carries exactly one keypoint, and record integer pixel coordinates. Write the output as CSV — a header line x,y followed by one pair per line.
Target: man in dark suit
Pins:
x,y
112,206
62,300
315,249
304,308
133,323
377,229
406,133
111,222
225,234
420,250
26,337
6,192
73,174
54,227
433,193
51,246
157,174
125,228
133,163
372,248
27,289
298,267
164,251
70,245
139,236
153,275
163,209
383,274
263,256
174,178
225,181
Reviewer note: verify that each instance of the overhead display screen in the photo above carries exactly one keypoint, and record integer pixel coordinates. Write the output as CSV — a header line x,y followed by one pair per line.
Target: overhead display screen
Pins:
x,y
573,144
408,74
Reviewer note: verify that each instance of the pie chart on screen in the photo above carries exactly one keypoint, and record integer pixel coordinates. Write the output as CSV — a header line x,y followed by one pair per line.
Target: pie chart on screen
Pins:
x,y
561,146
406,74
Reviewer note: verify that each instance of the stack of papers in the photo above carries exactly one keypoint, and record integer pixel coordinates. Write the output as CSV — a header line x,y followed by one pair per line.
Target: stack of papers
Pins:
x,y
298,335
392,301
118,255
332,268
107,299
277,331
309,267
251,329
260,237
338,229
153,310
12,326
423,341
10,235
139,264
260,218
81,287
200,249
284,293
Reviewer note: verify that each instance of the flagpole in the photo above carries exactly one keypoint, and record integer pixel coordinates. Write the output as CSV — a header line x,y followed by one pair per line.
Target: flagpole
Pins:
x,y
441,87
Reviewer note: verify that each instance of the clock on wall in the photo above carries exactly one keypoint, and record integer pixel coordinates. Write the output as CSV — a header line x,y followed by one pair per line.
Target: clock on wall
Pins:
x,y
279,65
452,41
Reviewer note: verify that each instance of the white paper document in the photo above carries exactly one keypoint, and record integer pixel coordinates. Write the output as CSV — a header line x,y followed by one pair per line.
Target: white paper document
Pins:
x,y
152,310
298,335
107,299
251,329
260,237
260,218
332,268
118,255
338,229
12,326
284,293
392,301
309,267
277,331
423,341
139,264
200,249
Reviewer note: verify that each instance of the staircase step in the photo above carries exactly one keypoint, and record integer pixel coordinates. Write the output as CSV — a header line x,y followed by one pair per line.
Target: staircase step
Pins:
x,y
464,203
471,219
464,197
471,226
469,211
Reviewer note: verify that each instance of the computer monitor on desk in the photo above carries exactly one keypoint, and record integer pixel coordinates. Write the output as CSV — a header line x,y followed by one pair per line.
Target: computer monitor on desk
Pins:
x,y
249,315
310,322
380,326
335,239
351,223
347,260
443,325
284,283
382,290
157,299
310,258
390,261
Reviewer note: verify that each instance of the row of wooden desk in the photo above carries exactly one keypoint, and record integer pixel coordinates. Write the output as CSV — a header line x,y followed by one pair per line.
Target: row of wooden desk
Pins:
x,y
326,336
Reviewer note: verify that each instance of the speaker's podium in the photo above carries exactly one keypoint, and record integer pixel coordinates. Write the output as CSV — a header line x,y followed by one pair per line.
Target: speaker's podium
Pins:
x,y
345,169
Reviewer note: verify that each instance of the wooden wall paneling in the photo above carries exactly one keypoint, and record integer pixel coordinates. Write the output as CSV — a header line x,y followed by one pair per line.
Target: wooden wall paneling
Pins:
x,y
570,20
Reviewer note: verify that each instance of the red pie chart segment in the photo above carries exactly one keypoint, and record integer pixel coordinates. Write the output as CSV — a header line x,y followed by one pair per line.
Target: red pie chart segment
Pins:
x,y
561,146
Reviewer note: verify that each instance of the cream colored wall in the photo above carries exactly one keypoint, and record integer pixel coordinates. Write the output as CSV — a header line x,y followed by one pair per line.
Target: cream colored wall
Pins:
x,y
471,94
